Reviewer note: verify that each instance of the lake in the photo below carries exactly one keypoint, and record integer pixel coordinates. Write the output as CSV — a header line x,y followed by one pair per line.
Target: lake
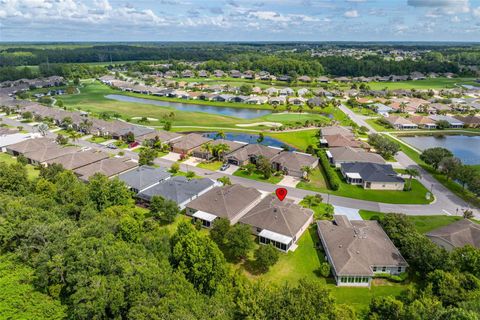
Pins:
x,y
243,113
466,148
248,138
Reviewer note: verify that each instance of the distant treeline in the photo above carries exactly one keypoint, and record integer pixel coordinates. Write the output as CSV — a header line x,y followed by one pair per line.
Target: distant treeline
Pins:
x,y
290,59
69,71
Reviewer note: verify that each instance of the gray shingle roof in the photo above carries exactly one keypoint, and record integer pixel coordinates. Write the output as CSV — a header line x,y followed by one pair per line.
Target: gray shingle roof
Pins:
x,y
244,153
348,154
373,172
178,189
144,177
79,159
355,246
108,167
459,233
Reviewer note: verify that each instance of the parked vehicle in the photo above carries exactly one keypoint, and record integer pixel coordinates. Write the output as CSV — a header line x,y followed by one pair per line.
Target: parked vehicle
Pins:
x,y
225,166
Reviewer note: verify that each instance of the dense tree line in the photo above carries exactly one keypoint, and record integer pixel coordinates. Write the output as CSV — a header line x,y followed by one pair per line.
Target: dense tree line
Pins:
x,y
89,253
69,71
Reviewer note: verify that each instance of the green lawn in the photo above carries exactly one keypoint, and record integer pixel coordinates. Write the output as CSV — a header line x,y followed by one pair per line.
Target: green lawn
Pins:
x,y
423,224
317,181
297,139
257,176
377,126
415,196
96,139
31,170
437,83
212,165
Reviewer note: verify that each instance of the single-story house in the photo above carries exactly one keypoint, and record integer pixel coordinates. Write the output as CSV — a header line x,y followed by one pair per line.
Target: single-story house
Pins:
x,y
14,138
454,123
144,177
161,135
72,161
339,155
336,130
250,153
456,235
200,152
401,123
28,145
358,250
257,100
471,121
187,143
178,189
339,140
286,92
292,163
304,79
372,176
277,100
110,167
297,100
380,108
423,122
49,152
280,223
271,91
230,202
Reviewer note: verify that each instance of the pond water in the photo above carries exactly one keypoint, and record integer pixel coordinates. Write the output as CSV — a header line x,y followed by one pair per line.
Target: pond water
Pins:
x,y
466,148
248,138
243,113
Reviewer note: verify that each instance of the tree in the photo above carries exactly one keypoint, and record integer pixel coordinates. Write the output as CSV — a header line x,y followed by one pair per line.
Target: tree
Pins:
x,y
239,242
167,126
51,171
147,156
412,173
249,168
22,160
62,140
265,257
13,178
219,231
433,156
163,209
43,129
225,180
220,135
174,168
449,166
385,308
260,138
59,103
442,124
385,147
129,137
198,259
246,89
220,149
307,170
190,174
264,166
207,148
74,136
464,174
105,193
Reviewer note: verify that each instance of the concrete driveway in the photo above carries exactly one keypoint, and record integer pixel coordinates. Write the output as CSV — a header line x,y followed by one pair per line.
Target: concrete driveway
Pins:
x,y
289,181
192,161
230,170
172,156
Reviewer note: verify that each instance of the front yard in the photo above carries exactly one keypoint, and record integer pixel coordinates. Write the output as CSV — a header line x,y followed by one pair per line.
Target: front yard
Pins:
x,y
256,175
212,165
415,196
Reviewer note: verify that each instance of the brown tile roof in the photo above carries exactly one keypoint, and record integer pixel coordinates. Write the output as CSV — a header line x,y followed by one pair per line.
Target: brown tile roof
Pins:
x,y
163,136
226,202
189,141
30,145
349,154
294,160
283,217
339,140
77,160
419,120
48,152
459,233
108,167
244,153
336,130
355,246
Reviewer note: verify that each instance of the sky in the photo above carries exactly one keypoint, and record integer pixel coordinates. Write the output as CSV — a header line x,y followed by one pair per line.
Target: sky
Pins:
x,y
240,20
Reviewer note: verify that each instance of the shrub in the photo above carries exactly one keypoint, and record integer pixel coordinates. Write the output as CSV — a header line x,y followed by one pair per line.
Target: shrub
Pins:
x,y
265,257
325,269
175,167
332,177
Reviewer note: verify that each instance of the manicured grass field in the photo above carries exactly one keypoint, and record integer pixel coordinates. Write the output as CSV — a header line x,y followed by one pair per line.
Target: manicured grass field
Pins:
x,y
31,170
213,165
423,224
317,181
257,176
377,126
297,139
415,196
436,83
95,139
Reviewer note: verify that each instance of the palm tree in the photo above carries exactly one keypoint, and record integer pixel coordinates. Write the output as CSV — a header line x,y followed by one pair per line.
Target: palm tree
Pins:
x,y
412,172
207,148
43,129
306,172
74,136
221,149
402,107
220,135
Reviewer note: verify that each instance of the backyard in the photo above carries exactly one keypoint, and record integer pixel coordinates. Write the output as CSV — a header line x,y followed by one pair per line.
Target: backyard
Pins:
x,y
31,170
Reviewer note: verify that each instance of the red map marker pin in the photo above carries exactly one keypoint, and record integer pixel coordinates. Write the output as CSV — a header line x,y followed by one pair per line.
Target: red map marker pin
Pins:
x,y
281,193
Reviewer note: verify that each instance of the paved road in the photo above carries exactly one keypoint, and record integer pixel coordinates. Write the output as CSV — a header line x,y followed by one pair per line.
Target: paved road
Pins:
x,y
358,119
445,203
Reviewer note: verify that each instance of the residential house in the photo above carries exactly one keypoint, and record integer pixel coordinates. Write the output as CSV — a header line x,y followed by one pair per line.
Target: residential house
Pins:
x,y
304,79
144,177
381,109
275,101
257,100
298,101
358,250
178,189
401,123
218,73
48,152
339,155
470,121
160,135
187,143
187,74
339,140
235,74
323,79
271,91
456,235
293,163
229,202
302,91
250,154
284,78
203,73
336,130
28,145
202,153
110,167
13,138
72,161
372,176
286,92
280,223
453,123
423,122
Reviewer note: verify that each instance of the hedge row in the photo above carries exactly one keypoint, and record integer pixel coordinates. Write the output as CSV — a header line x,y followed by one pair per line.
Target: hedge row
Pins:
x,y
332,177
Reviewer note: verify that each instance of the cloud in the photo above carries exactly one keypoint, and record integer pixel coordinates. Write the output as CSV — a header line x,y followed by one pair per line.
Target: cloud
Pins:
x,y
351,14
444,6
476,12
